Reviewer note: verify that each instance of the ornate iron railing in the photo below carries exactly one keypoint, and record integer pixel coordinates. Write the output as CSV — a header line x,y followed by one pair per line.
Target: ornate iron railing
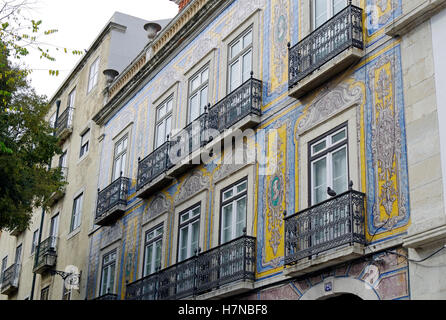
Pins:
x,y
339,33
153,165
188,140
328,225
47,247
227,263
10,277
107,296
113,195
64,121
243,101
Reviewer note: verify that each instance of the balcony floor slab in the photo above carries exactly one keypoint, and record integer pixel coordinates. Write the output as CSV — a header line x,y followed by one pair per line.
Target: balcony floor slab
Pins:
x,y
228,290
324,260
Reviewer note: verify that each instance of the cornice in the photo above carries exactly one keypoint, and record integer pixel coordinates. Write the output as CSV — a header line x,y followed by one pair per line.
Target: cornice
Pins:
x,y
174,35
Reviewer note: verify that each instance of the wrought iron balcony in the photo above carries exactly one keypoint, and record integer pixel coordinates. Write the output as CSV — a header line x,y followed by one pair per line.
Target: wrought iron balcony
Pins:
x,y
226,264
243,101
47,255
10,279
342,32
112,202
331,224
64,124
188,140
152,166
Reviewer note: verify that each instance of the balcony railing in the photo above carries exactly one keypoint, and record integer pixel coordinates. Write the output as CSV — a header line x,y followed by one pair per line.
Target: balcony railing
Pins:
x,y
64,121
241,102
10,279
188,140
107,296
112,200
153,165
210,270
328,225
339,33
47,255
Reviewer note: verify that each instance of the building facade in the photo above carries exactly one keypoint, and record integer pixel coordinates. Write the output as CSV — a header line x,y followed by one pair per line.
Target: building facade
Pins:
x,y
273,150
33,271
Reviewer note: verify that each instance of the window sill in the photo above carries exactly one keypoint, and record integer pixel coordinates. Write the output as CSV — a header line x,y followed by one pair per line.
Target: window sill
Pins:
x,y
74,233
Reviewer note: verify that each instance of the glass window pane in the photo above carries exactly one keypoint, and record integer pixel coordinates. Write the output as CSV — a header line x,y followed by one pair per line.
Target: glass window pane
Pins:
x,y
319,147
158,248
148,264
195,83
195,236
321,12
205,75
228,194
319,181
194,107
161,112
227,223
168,127
339,160
204,99
241,187
184,234
338,5
160,134
234,73
235,49
111,282
247,66
241,215
338,137
247,39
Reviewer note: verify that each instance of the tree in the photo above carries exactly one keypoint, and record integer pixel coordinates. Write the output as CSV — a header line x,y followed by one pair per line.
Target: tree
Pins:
x,y
29,145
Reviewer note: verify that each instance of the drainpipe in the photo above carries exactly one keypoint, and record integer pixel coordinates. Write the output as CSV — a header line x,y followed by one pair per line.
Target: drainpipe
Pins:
x,y
31,297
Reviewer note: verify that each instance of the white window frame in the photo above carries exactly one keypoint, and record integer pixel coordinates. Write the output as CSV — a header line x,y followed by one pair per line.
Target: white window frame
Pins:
x,y
239,58
76,215
203,77
111,277
93,75
157,238
232,201
85,143
192,219
163,120
119,156
330,11
327,153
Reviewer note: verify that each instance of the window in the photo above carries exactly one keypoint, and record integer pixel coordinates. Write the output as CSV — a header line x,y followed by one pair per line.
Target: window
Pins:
x,y
163,122
120,156
233,208
44,294
198,93
240,60
152,250
93,75
189,233
85,141
325,9
35,242
66,293
108,273
77,212
329,167
71,98
54,229
18,255
53,121
4,266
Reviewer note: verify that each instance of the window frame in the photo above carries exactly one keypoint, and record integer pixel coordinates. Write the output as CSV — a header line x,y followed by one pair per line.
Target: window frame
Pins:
x,y
239,57
152,242
35,241
233,200
46,291
327,152
158,121
329,4
85,146
189,222
107,265
78,213
198,92
93,79
120,155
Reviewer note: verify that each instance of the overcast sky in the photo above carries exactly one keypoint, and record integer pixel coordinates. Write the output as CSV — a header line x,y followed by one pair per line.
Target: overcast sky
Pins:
x,y
79,23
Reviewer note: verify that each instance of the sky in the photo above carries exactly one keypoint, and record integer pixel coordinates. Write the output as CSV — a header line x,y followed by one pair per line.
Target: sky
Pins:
x,y
79,23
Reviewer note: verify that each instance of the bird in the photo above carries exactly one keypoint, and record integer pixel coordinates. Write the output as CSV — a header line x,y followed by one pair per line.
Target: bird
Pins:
x,y
331,192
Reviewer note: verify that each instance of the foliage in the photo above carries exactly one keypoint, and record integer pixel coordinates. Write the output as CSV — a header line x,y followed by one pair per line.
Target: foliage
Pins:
x,y
28,145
